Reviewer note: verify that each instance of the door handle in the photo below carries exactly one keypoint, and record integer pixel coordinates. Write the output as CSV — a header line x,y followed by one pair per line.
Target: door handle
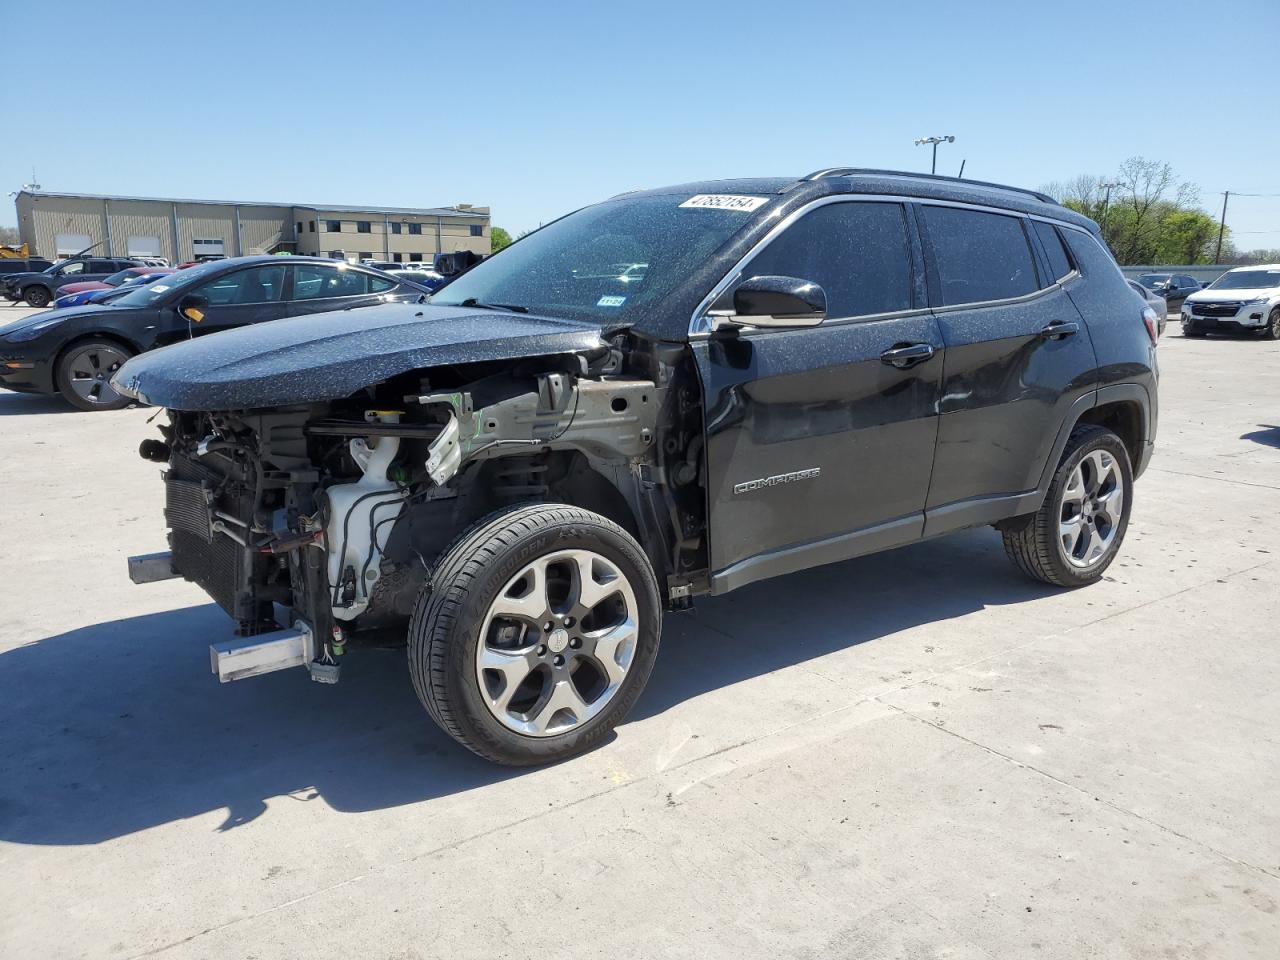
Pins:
x,y
1059,329
908,355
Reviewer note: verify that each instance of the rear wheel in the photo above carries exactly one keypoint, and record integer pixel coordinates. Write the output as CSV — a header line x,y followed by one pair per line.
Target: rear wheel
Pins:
x,y
84,374
536,633
37,296
1072,539
1272,330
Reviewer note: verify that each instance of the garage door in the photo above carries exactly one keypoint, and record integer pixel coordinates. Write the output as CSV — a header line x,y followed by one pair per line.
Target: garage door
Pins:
x,y
144,246
69,244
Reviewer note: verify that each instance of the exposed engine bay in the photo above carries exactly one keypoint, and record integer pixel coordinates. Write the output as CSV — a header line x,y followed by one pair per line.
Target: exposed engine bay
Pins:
x,y
334,513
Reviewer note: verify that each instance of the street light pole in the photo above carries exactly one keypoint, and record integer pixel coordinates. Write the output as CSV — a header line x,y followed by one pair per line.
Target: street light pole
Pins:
x,y
934,141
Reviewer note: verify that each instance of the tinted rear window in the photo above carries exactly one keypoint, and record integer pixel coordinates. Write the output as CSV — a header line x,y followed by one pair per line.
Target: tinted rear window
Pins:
x,y
979,256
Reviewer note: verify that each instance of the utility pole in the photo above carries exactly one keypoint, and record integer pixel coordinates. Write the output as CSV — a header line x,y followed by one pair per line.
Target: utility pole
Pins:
x,y
1222,226
934,141
1106,203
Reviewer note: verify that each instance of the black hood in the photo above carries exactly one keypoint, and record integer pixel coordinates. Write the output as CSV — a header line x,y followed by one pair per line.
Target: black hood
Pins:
x,y
327,356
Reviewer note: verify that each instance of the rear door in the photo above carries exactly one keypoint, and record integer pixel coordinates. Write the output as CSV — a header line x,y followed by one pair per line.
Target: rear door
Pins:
x,y
818,446
249,295
318,287
1018,356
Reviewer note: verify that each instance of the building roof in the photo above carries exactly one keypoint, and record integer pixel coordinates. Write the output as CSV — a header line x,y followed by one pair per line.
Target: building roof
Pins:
x,y
334,207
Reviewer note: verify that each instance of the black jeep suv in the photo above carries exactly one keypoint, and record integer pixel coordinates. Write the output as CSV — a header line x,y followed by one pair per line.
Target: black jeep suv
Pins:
x,y
670,394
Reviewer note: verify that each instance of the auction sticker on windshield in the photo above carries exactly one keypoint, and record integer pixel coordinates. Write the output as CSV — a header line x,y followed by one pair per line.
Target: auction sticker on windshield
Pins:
x,y
725,201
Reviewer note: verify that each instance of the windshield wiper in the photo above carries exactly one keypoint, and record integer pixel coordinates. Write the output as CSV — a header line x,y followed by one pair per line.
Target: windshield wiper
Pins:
x,y
513,307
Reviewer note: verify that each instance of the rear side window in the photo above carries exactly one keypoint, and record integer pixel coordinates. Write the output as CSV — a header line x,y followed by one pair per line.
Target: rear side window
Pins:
x,y
979,256
316,282
1059,262
857,253
379,285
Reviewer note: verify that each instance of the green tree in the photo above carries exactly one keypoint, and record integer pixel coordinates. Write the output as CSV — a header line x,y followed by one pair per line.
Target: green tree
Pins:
x,y
1187,236
9,236
498,238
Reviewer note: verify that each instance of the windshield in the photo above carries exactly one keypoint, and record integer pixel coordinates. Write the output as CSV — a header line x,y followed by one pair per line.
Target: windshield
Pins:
x,y
1247,280
602,262
151,293
1151,279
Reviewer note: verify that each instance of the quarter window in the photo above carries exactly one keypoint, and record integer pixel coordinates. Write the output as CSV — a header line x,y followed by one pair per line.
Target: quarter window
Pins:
x,y
857,252
1059,264
255,285
979,256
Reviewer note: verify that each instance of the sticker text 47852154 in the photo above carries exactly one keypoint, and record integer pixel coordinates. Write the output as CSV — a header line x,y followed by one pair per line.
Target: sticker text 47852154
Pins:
x,y
725,201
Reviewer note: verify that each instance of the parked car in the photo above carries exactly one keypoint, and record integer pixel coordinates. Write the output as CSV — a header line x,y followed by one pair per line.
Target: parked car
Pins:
x,y
40,289
424,278
74,352
1154,301
12,265
75,294
1175,288
1246,298
381,264
518,477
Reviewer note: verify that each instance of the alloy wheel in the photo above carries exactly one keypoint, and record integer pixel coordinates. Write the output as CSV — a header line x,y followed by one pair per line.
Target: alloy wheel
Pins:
x,y
1092,505
557,642
90,369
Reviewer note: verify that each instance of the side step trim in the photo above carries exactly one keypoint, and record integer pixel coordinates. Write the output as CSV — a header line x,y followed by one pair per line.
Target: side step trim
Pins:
x,y
267,652
152,568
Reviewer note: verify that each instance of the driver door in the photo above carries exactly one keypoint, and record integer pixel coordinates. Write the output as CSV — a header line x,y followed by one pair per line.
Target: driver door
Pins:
x,y
820,440
240,297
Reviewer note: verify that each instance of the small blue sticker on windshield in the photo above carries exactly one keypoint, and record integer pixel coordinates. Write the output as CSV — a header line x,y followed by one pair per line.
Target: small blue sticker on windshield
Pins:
x,y
611,301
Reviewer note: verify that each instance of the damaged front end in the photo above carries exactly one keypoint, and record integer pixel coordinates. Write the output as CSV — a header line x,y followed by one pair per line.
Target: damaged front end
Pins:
x,y
315,525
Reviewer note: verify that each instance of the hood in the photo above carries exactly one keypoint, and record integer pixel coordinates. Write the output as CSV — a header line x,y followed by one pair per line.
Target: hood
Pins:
x,y
1238,295
327,356
62,313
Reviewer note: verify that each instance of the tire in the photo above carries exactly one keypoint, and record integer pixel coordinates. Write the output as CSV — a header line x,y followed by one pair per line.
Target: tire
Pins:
x,y
1038,543
1272,330
37,296
84,373
503,695
1191,330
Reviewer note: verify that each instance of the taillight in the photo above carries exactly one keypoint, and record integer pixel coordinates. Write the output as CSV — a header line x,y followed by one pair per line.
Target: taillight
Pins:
x,y
1153,323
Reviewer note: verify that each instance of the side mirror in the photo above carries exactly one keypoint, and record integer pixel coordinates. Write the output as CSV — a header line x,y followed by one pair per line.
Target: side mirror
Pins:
x,y
193,306
778,302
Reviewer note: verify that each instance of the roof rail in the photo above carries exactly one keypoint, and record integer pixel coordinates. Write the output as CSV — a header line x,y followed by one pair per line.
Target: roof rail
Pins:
x,y
855,171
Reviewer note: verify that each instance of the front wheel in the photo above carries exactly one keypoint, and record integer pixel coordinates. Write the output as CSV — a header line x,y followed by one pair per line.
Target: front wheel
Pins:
x,y
37,296
535,633
1191,330
84,374
1072,539
1272,330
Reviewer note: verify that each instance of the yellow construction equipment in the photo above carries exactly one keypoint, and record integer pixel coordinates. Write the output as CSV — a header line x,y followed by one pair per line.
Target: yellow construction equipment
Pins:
x,y
13,253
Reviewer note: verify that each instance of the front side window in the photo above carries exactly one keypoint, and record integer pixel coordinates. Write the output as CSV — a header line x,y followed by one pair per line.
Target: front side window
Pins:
x,y
321,281
857,252
71,269
604,261
979,256
255,285
1059,263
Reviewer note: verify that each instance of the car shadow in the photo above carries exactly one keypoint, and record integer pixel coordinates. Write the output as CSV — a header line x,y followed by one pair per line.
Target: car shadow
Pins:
x,y
14,404
1266,434
119,726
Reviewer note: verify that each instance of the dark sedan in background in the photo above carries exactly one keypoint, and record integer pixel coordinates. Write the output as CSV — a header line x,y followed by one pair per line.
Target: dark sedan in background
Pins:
x,y
75,351
1174,287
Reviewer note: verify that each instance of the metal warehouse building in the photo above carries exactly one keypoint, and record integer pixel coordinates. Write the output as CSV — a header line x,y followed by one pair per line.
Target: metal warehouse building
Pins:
x,y
60,224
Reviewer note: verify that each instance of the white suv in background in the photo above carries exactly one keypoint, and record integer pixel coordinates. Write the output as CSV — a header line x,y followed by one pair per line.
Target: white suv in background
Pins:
x,y
1246,298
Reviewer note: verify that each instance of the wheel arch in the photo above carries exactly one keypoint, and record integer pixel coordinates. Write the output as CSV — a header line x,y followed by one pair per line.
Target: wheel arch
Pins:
x,y
80,338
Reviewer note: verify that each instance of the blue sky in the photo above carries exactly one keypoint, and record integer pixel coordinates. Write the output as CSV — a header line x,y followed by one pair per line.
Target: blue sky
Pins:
x,y
535,109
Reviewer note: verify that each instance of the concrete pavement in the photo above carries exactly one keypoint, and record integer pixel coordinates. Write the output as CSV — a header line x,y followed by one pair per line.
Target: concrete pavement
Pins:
x,y
919,754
